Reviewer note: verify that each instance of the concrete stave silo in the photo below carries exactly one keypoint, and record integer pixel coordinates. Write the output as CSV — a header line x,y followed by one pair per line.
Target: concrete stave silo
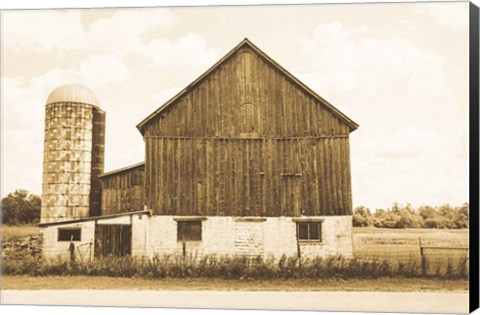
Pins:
x,y
73,154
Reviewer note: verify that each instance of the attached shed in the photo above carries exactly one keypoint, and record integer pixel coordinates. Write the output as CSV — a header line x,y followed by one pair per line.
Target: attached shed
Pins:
x,y
123,189
94,237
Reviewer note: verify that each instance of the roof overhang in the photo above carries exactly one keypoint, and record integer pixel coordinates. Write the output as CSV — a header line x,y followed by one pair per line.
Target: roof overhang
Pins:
x,y
101,217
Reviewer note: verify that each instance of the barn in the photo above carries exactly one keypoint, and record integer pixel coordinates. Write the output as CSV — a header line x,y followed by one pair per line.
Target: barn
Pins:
x,y
246,160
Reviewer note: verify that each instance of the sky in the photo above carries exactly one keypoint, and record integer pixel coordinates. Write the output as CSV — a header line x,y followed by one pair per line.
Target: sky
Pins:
x,y
400,70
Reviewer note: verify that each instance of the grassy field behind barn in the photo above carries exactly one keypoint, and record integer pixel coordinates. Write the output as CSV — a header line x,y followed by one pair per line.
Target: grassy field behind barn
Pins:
x,y
442,248
15,232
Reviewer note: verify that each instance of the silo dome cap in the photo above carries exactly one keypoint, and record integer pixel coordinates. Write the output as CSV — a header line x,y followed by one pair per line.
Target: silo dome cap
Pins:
x,y
72,93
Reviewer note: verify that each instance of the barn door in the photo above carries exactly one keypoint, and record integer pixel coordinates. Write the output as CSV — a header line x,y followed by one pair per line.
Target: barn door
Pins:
x,y
113,240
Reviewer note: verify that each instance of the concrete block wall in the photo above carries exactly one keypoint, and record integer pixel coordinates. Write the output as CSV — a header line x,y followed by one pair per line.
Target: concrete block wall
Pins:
x,y
243,236
140,235
268,237
54,249
249,238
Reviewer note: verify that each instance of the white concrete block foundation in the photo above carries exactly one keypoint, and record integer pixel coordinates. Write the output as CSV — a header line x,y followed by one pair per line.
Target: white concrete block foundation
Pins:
x,y
273,236
248,236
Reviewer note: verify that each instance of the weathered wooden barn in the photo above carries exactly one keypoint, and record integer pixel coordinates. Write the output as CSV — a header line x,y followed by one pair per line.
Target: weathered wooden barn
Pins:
x,y
245,160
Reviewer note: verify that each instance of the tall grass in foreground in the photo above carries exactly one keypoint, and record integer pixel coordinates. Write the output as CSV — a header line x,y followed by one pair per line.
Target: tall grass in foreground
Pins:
x,y
225,267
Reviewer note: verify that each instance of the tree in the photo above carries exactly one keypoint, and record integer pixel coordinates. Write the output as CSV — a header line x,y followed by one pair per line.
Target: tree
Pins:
x,y
387,219
427,212
461,217
362,217
405,216
21,207
409,218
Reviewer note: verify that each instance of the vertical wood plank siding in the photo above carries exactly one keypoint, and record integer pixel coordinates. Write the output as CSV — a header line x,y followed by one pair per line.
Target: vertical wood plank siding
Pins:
x,y
123,191
113,240
247,141
242,94
249,177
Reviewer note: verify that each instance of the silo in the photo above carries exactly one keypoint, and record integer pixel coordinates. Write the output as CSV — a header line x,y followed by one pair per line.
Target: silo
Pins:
x,y
73,154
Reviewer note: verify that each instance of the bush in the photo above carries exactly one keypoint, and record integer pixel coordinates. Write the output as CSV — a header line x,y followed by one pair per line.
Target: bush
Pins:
x,y
362,217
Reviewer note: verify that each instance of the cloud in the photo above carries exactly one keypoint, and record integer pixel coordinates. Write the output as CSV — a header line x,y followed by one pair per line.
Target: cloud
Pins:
x,y
40,30
43,31
23,99
345,59
448,15
163,96
126,30
23,111
178,54
103,69
406,142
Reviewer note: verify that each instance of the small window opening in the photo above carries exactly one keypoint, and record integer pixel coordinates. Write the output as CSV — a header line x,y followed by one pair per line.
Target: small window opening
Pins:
x,y
189,231
310,231
67,234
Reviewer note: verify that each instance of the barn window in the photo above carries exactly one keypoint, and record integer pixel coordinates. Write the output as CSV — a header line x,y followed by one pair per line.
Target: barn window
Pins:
x,y
189,230
67,234
309,231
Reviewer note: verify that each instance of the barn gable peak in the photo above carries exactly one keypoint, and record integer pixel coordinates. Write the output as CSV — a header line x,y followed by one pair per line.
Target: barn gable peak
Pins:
x,y
247,44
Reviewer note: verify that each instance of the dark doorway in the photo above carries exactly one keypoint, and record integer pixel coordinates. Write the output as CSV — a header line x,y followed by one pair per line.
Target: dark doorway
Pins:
x,y
113,240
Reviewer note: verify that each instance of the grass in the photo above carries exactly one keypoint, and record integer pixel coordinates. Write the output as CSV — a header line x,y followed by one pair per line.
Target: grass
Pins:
x,y
388,261
226,267
394,252
15,232
402,246
109,283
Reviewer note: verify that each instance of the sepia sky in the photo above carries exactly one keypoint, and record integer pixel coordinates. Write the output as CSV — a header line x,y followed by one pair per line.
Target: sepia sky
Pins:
x,y
399,70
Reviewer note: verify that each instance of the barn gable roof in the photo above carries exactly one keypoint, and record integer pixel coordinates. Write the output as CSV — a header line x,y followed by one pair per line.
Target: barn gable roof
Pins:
x,y
247,43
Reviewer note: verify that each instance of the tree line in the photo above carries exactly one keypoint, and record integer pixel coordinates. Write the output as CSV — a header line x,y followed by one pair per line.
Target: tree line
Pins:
x,y
22,207
405,216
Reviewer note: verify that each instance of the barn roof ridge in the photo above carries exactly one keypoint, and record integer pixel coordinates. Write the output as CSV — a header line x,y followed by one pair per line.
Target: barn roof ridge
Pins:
x,y
246,42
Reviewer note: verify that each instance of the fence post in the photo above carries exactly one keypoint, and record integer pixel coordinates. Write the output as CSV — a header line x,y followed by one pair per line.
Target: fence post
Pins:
x,y
90,251
422,254
184,250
